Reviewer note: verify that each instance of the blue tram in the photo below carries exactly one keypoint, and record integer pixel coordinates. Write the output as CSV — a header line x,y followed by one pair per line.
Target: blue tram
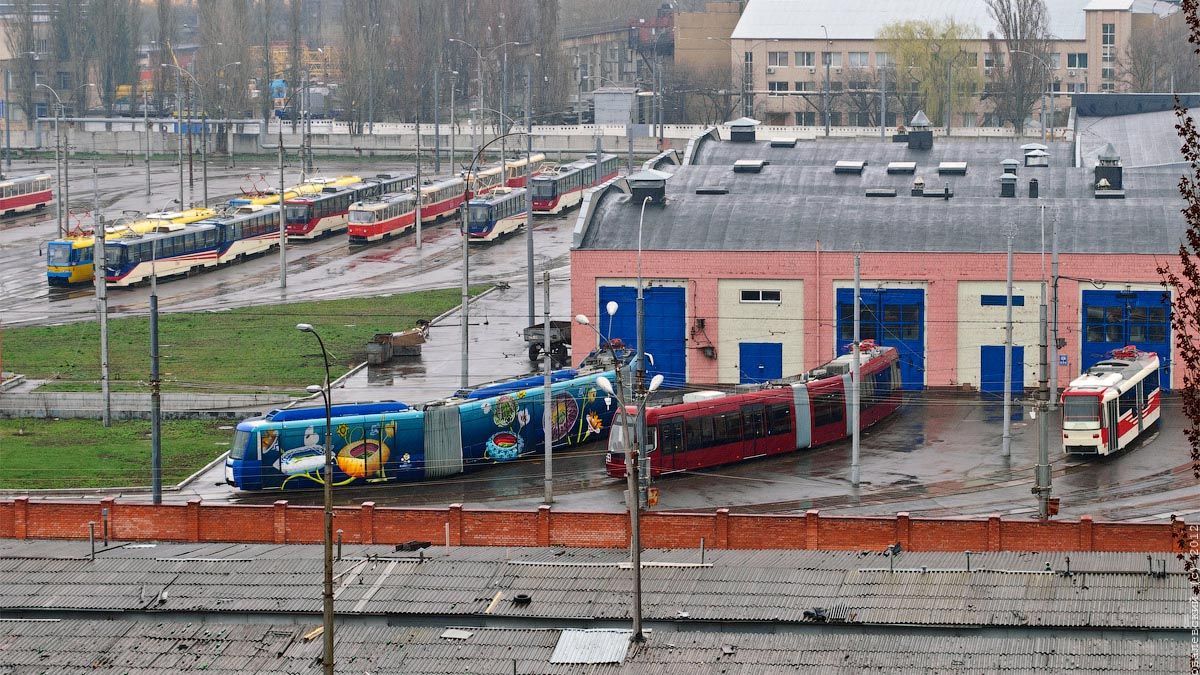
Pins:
x,y
389,441
500,212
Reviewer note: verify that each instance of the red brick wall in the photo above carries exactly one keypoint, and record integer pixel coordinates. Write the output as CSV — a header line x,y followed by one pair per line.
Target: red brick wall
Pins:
x,y
284,523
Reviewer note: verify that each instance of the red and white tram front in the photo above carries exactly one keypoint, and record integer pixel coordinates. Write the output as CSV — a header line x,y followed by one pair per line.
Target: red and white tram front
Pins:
x,y
624,425
1084,428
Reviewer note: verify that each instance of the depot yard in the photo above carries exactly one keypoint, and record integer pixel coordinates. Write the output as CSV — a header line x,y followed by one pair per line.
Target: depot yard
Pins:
x,y
38,454
239,350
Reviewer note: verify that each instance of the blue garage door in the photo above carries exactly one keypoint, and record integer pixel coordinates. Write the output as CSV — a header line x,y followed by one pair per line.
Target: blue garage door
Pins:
x,y
991,369
891,317
665,330
1114,319
759,362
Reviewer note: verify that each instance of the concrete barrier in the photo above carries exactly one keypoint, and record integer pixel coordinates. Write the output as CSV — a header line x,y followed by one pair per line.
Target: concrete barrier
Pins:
x,y
89,405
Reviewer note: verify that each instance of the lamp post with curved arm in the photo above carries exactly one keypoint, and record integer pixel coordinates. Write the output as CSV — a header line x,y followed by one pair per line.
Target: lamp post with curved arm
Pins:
x,y
479,58
327,594
58,202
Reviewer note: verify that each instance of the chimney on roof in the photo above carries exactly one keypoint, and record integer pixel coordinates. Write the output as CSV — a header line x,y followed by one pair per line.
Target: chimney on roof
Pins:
x,y
741,130
920,133
1008,185
648,183
1108,167
1010,166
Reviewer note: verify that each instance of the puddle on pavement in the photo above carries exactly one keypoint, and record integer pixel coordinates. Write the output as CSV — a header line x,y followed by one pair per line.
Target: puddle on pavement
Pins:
x,y
387,374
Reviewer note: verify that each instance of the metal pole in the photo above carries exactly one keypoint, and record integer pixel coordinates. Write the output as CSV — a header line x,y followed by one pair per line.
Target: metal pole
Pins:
x,y
1053,312
203,145
825,104
66,162
190,152
503,108
482,118
466,293
417,215
1006,437
102,299
453,119
155,403
7,120
60,206
282,219
437,126
635,507
1042,477
179,130
327,595
949,96
640,378
628,132
882,103
146,122
547,398
855,378
529,191
371,82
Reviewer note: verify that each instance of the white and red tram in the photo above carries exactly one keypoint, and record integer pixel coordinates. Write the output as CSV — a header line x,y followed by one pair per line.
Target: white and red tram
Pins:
x,y
389,215
24,193
1112,404
563,188
713,428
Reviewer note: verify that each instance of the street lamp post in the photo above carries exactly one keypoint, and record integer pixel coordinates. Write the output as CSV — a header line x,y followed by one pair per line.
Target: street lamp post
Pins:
x,y
479,59
640,375
327,594
1045,89
827,57
58,207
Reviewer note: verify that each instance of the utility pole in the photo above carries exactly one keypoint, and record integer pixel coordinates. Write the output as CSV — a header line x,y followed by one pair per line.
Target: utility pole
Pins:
x,y
282,218
882,103
466,293
1053,312
825,104
547,398
155,395
101,299
7,119
417,215
453,120
179,129
529,191
947,113
1006,436
190,152
146,122
1042,472
855,377
59,206
437,126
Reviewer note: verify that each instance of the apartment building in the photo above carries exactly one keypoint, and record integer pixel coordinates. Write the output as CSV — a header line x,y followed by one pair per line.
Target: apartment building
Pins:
x,y
795,59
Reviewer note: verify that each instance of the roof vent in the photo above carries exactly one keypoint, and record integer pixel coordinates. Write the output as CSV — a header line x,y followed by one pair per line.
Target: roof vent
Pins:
x,y
918,187
901,167
712,190
741,130
648,183
1108,169
849,166
1008,185
784,142
952,169
1037,157
920,135
881,192
749,165
1010,166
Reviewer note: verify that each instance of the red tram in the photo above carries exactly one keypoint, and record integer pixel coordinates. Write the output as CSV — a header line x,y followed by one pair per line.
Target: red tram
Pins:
x,y
713,428
24,193
1114,402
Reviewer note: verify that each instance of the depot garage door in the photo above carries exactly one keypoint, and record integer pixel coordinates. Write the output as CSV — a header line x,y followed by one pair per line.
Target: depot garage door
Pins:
x,y
666,340
1114,319
892,317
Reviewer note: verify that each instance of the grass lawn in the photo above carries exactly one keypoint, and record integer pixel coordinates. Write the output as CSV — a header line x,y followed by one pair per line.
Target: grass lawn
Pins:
x,y
241,350
82,453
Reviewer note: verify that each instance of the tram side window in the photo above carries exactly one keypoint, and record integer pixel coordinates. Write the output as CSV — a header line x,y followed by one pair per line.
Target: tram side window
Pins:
x,y
828,409
727,428
670,436
1128,402
699,433
779,419
753,416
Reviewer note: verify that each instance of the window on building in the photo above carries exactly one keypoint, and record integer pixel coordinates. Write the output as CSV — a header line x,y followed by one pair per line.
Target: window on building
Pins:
x,y
756,295
64,80
806,119
775,87
832,59
882,59
859,59
859,84
998,300
1108,86
749,57
804,86
1055,61
861,119
835,119
777,59
1077,60
805,59
1108,34
835,86
1108,73
993,60
1056,86
41,45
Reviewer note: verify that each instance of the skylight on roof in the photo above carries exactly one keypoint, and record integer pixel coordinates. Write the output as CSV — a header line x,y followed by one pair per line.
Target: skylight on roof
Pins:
x,y
952,168
849,166
902,167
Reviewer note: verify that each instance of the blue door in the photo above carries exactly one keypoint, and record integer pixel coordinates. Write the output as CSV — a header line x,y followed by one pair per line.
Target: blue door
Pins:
x,y
666,333
991,369
1114,319
759,362
892,317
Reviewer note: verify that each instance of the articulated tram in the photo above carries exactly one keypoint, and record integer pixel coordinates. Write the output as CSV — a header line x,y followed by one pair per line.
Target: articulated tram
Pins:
x,y
179,249
309,187
563,188
441,199
25,193
1112,404
383,217
514,169
711,428
499,213
71,260
326,212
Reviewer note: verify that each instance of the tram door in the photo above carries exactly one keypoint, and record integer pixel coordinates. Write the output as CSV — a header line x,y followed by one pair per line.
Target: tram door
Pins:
x,y
1114,319
894,317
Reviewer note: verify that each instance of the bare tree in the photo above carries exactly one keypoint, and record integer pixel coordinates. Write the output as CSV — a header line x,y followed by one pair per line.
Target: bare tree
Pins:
x,y
166,37
1024,39
73,44
116,23
20,37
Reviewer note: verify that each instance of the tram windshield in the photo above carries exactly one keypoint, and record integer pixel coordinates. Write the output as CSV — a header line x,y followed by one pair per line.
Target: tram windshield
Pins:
x,y
361,216
543,189
616,433
238,449
1081,409
297,214
59,253
479,214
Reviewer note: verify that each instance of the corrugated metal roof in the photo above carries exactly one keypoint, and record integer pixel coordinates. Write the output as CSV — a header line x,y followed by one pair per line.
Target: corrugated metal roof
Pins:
x,y
862,19
591,646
